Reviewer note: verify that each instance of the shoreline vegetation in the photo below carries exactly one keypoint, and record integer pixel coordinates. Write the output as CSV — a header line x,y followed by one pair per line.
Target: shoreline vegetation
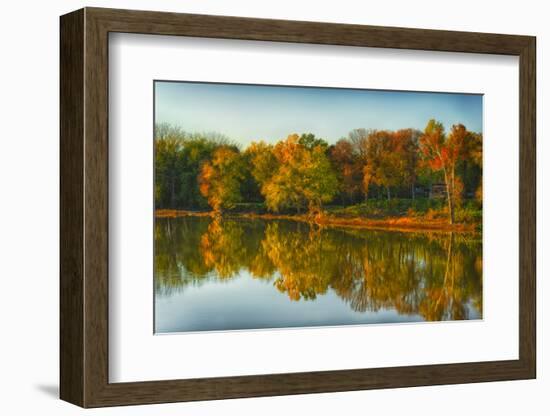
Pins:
x,y
404,179
425,223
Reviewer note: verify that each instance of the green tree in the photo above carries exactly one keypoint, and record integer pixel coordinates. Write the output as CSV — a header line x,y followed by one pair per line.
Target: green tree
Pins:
x,y
321,183
168,164
309,141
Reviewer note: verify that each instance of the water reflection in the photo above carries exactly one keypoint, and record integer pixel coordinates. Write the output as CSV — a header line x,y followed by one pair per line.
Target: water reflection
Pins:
x,y
433,276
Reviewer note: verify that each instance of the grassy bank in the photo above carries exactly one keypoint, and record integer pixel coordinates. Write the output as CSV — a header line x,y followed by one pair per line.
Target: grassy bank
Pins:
x,y
398,214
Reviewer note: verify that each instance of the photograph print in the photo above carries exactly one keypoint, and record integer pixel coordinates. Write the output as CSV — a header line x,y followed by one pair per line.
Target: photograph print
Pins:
x,y
291,206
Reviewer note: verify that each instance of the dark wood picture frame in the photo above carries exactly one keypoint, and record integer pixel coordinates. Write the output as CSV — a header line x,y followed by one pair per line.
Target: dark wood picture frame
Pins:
x,y
84,207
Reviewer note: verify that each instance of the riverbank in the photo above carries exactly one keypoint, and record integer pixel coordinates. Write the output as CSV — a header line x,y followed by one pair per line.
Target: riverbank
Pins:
x,y
406,223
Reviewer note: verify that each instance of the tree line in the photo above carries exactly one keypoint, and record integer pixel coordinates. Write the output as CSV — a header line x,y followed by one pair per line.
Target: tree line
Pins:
x,y
303,172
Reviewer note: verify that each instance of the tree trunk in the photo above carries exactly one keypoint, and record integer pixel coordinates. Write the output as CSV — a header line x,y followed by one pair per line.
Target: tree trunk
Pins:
x,y
388,192
449,197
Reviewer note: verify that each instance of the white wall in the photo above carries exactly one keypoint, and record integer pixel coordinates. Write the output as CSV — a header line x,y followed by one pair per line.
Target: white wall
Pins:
x,y
29,161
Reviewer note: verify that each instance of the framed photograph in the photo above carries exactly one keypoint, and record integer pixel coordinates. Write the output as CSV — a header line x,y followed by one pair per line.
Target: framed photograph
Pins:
x,y
254,207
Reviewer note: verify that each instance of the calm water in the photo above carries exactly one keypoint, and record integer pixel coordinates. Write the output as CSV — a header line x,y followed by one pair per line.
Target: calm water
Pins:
x,y
222,274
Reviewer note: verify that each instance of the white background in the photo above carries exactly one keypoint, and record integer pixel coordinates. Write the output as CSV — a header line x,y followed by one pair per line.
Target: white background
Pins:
x,y
29,211
313,349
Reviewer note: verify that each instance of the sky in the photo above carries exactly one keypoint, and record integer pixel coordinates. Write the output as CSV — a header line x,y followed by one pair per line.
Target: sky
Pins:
x,y
247,113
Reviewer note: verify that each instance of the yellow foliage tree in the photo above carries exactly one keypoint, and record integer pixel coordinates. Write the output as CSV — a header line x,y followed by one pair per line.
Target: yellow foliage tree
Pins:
x,y
302,177
220,179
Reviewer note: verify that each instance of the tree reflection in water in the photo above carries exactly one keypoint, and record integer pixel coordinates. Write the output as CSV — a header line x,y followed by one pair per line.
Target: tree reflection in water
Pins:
x,y
435,275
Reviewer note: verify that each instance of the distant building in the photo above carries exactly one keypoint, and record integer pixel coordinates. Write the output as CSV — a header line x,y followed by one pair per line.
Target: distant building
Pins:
x,y
438,190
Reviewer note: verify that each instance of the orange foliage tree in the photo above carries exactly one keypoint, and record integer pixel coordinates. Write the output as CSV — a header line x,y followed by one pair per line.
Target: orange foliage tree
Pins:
x,y
442,153
220,179
345,160
390,159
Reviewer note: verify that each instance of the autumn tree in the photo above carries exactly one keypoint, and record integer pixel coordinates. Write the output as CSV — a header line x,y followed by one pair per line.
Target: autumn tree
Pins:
x,y
406,145
471,168
383,166
348,168
476,155
358,139
179,156
442,153
263,161
302,177
220,179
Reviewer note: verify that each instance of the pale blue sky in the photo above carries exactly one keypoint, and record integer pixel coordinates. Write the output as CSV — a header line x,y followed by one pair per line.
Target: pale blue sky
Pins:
x,y
247,113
